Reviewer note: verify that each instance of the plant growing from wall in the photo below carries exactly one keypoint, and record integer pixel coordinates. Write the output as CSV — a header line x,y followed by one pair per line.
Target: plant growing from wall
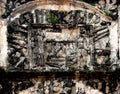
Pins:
x,y
107,13
82,0
93,3
53,19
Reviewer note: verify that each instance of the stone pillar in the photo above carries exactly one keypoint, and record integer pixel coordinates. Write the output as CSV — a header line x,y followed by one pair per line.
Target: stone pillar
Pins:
x,y
2,6
114,41
119,31
3,44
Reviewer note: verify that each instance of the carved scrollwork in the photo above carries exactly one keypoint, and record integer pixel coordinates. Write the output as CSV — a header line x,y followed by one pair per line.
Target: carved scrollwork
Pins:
x,y
51,39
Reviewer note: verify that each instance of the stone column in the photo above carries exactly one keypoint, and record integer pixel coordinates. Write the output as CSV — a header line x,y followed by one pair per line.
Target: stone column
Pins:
x,y
114,41
119,31
3,44
2,6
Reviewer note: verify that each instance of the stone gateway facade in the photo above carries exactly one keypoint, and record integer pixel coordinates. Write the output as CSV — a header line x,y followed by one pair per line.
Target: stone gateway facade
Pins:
x,y
53,36
54,42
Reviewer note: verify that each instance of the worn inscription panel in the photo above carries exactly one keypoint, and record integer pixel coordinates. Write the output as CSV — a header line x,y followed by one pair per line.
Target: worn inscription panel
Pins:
x,y
47,40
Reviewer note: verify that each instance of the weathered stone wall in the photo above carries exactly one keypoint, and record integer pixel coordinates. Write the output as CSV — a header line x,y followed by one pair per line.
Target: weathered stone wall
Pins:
x,y
57,83
82,37
35,79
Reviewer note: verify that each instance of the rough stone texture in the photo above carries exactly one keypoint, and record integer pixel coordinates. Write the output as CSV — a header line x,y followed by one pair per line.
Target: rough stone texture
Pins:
x,y
78,40
26,49
49,83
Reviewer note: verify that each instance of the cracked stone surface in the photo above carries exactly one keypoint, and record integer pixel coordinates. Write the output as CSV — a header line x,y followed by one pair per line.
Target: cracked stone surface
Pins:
x,y
43,39
40,36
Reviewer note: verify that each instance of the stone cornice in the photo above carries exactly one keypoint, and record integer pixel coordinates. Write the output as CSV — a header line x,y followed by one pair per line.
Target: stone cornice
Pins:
x,y
33,4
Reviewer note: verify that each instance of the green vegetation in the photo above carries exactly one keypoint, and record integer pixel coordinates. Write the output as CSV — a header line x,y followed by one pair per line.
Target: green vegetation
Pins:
x,y
93,3
53,19
82,0
107,13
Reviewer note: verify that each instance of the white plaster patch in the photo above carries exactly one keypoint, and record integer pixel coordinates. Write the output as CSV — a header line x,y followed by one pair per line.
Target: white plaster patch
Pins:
x,y
3,45
114,40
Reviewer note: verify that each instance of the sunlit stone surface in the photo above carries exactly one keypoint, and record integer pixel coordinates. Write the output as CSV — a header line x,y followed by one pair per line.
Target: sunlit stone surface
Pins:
x,y
59,36
55,37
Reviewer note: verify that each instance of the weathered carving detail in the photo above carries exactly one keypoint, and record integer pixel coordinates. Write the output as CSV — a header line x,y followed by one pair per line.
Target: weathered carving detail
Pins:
x,y
10,5
61,85
71,18
109,7
56,46
57,40
17,42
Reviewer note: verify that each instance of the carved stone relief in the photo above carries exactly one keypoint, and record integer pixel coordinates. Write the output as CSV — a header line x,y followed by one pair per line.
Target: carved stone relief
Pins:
x,y
65,41
100,83
59,47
